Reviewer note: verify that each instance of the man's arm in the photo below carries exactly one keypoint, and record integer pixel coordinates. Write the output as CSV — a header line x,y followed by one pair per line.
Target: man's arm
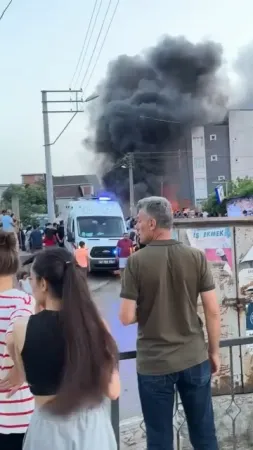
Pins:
x,y
211,307
129,294
212,316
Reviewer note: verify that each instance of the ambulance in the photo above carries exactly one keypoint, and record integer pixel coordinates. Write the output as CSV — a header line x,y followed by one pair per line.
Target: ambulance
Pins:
x,y
99,222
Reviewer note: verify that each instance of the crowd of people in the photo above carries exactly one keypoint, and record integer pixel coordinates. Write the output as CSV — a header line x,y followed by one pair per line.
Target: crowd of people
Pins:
x,y
59,361
37,238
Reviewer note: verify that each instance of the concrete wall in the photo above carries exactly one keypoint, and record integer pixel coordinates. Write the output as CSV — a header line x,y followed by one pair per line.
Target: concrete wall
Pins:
x,y
199,164
217,155
61,206
133,431
33,178
241,143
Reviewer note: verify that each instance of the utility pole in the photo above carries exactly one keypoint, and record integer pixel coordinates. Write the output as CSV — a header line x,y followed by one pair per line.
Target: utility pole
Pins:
x,y
49,176
47,143
130,158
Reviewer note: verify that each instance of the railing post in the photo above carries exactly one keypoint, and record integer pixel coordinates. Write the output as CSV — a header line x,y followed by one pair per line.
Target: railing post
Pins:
x,y
115,420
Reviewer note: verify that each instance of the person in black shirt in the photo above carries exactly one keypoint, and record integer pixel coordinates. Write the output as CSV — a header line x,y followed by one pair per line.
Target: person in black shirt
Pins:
x,y
36,240
60,234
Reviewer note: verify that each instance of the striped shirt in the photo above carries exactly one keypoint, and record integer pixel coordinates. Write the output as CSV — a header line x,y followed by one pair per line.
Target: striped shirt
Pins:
x,y
15,412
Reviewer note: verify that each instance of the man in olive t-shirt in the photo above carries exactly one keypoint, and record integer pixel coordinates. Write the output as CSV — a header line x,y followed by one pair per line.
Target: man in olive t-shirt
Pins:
x,y
160,289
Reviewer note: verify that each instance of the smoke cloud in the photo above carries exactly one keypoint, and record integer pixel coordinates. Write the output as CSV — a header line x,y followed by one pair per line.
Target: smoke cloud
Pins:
x,y
178,83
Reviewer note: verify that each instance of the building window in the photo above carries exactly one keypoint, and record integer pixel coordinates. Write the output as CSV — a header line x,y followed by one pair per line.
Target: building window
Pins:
x,y
213,137
199,163
214,158
200,183
221,178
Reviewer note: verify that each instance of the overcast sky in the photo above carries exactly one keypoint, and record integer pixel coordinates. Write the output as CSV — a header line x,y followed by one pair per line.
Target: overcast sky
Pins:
x,y
40,42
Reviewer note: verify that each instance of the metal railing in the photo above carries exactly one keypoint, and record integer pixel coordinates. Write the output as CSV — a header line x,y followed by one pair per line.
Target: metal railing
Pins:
x,y
233,400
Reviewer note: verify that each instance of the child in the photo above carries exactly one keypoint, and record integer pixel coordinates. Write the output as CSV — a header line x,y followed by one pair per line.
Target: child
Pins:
x,y
24,283
82,256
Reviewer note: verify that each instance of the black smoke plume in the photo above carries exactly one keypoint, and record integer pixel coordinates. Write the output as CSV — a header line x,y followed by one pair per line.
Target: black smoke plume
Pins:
x,y
178,83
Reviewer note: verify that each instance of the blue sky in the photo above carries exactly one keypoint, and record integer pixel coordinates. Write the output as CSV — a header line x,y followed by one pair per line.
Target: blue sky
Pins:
x,y
40,42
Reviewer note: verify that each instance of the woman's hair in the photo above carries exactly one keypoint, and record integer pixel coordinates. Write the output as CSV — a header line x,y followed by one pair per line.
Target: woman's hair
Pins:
x,y
21,274
9,258
91,352
49,233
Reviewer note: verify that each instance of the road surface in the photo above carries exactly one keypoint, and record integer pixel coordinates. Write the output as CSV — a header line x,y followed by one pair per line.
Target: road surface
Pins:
x,y
108,301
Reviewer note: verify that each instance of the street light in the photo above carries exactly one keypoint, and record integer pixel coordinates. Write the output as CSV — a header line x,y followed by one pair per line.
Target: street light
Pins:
x,y
129,164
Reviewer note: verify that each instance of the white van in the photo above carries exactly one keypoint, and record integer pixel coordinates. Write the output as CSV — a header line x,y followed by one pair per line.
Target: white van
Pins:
x,y
99,222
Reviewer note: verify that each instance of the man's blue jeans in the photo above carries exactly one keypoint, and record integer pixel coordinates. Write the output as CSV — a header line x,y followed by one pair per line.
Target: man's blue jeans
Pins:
x,y
157,394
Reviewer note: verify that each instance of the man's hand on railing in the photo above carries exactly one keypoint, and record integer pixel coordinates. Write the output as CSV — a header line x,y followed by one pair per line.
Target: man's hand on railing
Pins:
x,y
214,359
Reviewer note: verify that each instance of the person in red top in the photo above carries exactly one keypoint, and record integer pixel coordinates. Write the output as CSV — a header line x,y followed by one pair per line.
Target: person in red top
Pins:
x,y
49,238
124,250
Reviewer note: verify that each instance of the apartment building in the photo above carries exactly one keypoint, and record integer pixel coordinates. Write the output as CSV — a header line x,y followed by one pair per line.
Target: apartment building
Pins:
x,y
218,153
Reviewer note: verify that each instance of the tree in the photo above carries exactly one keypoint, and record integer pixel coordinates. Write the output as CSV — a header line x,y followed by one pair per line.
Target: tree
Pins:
x,y
242,187
32,200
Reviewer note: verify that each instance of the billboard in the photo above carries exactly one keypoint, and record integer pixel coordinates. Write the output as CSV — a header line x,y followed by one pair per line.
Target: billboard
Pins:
x,y
239,207
216,243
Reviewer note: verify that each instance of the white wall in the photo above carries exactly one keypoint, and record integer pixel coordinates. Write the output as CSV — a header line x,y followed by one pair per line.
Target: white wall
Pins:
x,y
241,143
61,204
199,164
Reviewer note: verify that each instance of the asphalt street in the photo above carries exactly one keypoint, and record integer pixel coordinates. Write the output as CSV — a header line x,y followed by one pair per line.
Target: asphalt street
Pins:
x,y
108,301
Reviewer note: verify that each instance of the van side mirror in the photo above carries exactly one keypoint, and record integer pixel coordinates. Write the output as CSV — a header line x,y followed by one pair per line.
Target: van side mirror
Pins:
x,y
70,237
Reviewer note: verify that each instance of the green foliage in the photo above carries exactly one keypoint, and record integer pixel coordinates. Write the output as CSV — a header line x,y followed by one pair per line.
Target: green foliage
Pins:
x,y
32,200
242,187
212,207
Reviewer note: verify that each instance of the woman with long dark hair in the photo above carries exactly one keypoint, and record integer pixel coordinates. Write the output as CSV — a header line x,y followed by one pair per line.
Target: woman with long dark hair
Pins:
x,y
69,359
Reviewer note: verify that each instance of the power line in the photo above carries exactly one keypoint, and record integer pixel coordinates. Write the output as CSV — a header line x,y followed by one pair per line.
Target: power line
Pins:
x,y
84,42
5,9
102,45
88,44
95,46
160,120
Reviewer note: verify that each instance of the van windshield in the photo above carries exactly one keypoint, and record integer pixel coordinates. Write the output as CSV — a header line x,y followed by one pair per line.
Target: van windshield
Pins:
x,y
96,226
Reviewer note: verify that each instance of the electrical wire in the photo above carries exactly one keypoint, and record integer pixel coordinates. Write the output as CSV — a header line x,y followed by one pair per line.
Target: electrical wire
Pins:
x,y
88,44
160,120
102,45
84,42
5,9
96,43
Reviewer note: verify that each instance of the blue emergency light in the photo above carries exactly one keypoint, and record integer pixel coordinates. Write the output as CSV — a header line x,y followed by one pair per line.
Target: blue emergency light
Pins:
x,y
105,199
106,196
